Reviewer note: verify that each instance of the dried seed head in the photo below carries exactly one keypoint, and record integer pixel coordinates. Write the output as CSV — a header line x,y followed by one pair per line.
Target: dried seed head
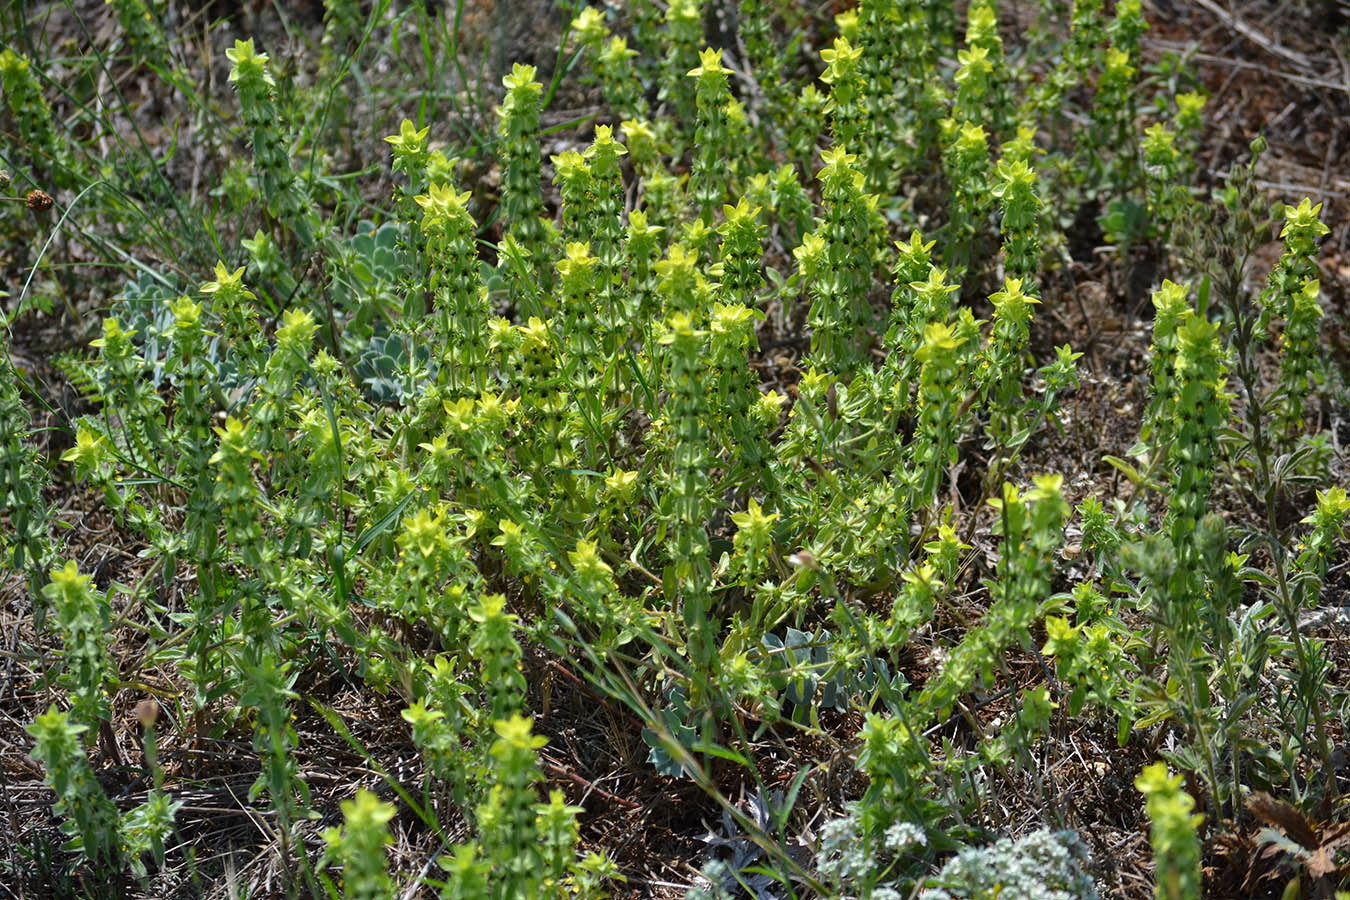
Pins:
x,y
38,201
147,711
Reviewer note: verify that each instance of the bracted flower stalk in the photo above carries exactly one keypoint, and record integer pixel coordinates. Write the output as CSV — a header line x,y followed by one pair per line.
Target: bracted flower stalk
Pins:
x,y
974,75
1006,360
545,434
1171,311
841,278
192,425
1291,293
1180,568
934,447
1198,411
32,116
892,384
494,646
687,503
90,817
712,138
607,236
757,33
915,306
359,847
683,36
572,175
877,69
431,555
731,338
752,543
1126,27
507,820
83,618
848,114
913,264
22,479
968,169
522,189
641,251
1300,360
411,157
919,93
556,825
286,197
441,717
231,305
238,494
1173,831
580,324
584,364
144,36
1015,188
462,306
741,254
982,36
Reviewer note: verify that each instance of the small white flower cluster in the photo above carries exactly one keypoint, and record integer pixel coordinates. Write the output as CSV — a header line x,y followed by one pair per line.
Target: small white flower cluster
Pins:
x,y
1044,865
848,862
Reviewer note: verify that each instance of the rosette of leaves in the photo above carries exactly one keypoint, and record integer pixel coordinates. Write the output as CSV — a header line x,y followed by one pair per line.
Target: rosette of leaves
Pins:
x,y
743,867
383,365
367,282
671,727
815,670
